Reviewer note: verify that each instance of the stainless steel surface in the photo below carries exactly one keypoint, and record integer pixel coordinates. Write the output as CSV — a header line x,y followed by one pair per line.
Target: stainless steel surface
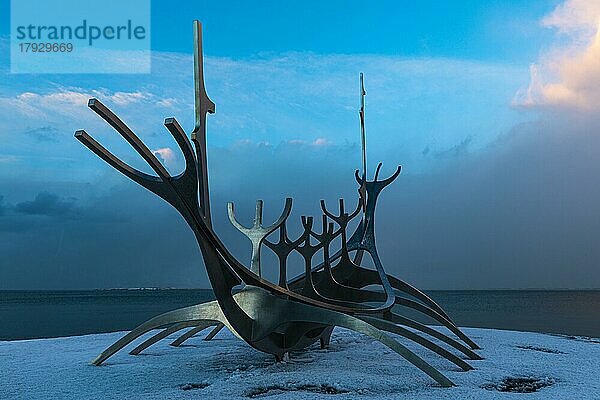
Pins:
x,y
293,314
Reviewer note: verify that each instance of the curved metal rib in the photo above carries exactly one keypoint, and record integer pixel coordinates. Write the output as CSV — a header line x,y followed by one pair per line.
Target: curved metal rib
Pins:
x,y
390,327
353,292
269,317
214,332
358,295
128,135
206,311
370,277
192,332
362,277
411,357
302,313
382,183
169,331
148,181
397,319
186,148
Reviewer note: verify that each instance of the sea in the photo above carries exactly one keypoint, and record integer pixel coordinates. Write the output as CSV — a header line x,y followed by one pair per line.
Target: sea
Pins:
x,y
45,314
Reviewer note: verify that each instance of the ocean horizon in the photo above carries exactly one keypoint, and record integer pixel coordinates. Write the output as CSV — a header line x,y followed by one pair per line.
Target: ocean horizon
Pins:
x,y
34,314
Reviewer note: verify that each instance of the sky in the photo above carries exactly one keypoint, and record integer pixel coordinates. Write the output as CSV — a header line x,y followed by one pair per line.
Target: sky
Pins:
x,y
489,106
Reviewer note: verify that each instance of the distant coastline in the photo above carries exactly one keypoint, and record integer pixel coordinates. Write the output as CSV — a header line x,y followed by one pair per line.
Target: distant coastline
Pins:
x,y
29,314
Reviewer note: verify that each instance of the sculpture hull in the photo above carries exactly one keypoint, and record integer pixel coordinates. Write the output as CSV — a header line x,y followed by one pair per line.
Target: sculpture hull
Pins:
x,y
293,314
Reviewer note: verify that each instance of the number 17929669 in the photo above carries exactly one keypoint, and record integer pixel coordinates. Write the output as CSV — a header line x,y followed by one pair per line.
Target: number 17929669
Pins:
x,y
35,47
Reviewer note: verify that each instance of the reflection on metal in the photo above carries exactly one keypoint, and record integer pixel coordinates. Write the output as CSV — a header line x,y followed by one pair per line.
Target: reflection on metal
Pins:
x,y
294,313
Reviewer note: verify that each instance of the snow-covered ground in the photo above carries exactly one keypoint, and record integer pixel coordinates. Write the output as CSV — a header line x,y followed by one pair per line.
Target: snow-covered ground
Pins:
x,y
354,367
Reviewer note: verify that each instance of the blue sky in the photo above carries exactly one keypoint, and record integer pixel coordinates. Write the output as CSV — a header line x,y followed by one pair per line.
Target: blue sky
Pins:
x,y
428,28
451,95
415,57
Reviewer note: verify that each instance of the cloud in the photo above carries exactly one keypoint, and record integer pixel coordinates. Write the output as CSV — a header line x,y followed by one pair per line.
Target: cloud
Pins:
x,y
273,98
35,106
47,204
65,101
574,17
287,125
169,102
568,75
122,98
514,215
167,156
458,150
56,99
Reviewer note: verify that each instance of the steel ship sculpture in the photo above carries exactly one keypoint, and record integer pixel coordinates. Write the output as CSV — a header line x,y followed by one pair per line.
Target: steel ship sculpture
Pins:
x,y
297,312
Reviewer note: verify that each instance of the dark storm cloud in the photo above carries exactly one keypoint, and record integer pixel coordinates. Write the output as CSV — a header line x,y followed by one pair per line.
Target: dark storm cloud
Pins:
x,y
47,204
523,213
127,237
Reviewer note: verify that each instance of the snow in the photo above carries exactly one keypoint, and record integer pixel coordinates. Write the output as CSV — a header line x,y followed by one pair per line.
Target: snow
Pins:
x,y
353,367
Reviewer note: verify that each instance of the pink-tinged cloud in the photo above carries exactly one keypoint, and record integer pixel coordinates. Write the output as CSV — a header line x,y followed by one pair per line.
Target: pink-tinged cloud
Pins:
x,y
574,16
568,75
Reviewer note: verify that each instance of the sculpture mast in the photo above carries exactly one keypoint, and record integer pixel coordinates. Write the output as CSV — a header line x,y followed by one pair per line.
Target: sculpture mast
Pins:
x,y
203,105
361,113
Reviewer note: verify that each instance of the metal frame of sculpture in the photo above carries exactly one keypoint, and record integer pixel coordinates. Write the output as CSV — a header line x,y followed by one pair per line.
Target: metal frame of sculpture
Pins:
x,y
297,312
